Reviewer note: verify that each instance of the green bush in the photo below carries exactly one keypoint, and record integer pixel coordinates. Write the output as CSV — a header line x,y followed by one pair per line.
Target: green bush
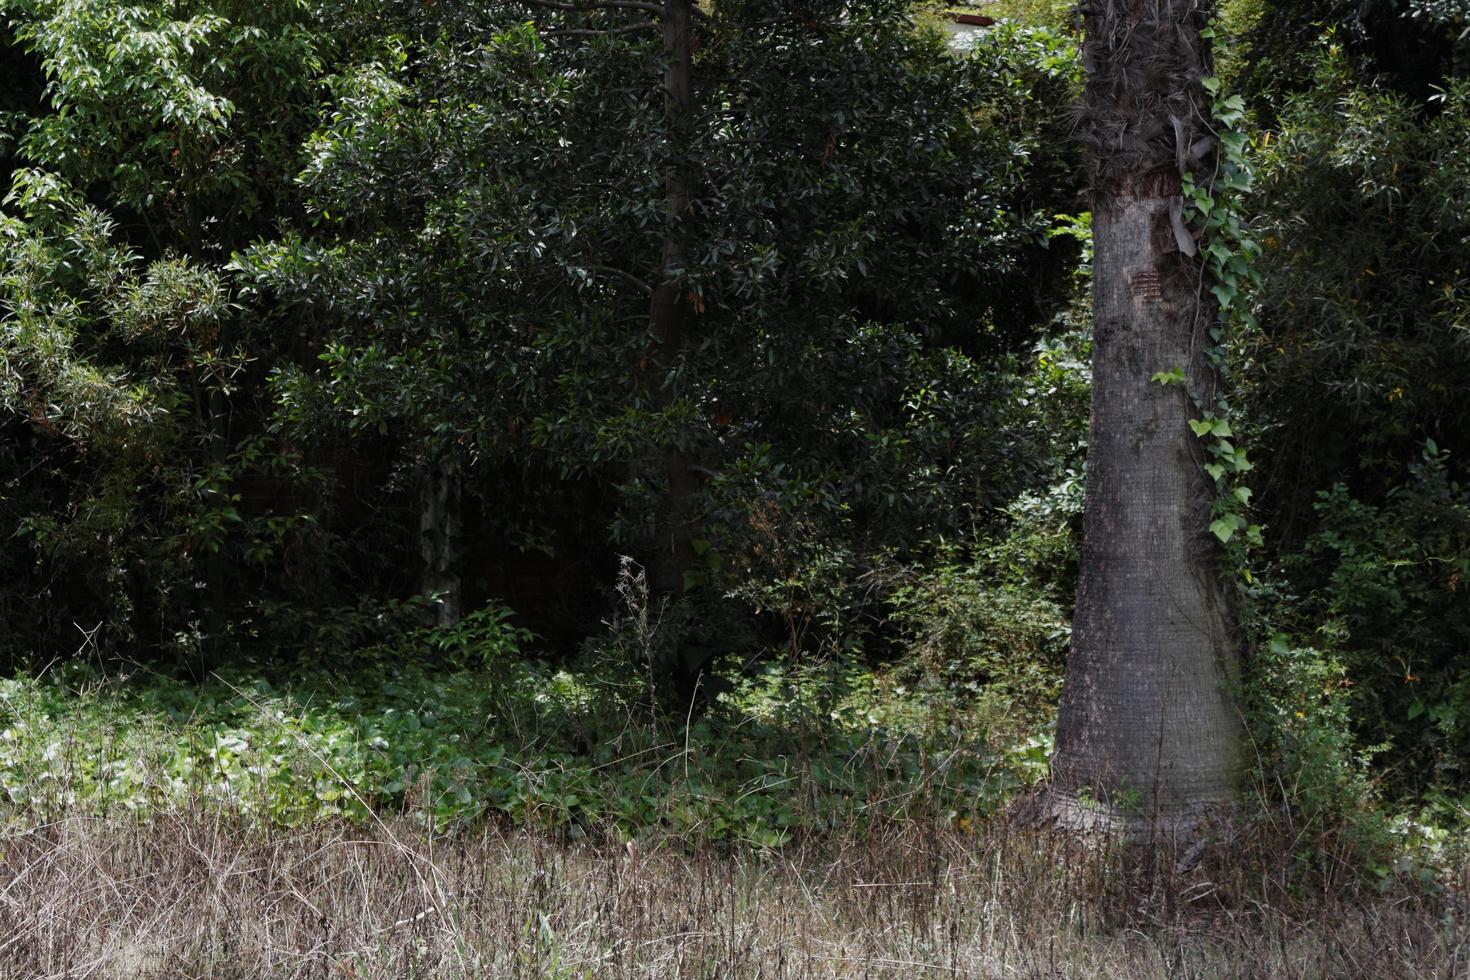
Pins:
x,y
987,637
1390,582
487,733
1360,356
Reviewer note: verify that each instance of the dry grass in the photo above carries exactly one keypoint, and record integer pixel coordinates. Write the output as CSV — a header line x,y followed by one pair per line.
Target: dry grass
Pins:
x,y
185,895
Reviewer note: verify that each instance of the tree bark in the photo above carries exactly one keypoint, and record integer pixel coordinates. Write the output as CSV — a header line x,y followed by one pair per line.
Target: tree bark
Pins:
x,y
1148,733
674,550
439,542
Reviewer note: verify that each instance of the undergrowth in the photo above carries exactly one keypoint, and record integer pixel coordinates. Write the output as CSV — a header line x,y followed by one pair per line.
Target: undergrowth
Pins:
x,y
522,743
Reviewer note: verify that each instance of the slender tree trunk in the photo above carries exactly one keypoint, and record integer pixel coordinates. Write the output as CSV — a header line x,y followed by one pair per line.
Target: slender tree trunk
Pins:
x,y
439,541
214,564
1148,735
674,553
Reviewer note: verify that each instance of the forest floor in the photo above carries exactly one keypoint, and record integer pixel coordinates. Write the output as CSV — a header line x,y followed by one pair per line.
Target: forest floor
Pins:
x,y
183,894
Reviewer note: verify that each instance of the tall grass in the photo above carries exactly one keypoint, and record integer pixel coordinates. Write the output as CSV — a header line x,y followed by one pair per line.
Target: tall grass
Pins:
x,y
193,894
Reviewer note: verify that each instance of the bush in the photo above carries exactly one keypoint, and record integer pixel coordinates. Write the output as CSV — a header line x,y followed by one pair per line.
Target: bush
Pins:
x,y
987,637
1389,585
1363,305
487,734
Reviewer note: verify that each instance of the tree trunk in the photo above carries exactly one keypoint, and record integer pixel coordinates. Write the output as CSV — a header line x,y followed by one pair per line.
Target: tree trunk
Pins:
x,y
674,551
1148,734
439,541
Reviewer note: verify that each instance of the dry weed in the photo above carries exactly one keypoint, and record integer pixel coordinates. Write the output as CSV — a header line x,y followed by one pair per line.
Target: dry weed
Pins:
x,y
190,895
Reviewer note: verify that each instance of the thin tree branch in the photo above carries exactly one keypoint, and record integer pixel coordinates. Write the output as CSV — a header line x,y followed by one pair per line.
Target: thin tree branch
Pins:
x,y
647,25
654,8
627,276
647,5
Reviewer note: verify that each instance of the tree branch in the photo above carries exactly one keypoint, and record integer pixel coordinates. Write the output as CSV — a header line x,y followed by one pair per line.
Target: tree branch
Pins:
x,y
653,8
621,274
646,25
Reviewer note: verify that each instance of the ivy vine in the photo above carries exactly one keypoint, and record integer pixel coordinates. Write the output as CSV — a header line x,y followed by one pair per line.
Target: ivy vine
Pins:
x,y
1212,206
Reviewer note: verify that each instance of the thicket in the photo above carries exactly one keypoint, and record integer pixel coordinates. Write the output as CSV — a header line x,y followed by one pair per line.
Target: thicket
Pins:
x,y
1355,387
292,284
320,319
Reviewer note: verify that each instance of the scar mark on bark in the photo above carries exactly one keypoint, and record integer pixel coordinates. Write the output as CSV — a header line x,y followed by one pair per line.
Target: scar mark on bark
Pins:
x,y
1160,183
1147,286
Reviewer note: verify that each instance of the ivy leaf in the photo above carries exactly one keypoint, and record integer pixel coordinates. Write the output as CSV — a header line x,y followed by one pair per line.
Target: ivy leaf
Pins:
x,y
1224,528
1221,428
1173,376
1215,470
1243,494
1201,427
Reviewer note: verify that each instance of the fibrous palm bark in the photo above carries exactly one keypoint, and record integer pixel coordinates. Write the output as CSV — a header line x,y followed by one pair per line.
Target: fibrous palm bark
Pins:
x,y
1148,735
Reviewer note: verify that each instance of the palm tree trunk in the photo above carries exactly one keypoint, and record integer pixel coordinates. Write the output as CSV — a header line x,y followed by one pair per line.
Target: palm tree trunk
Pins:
x,y
1148,734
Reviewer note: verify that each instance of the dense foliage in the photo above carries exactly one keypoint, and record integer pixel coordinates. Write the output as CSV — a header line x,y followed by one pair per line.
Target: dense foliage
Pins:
x,y
245,353
1357,385
324,322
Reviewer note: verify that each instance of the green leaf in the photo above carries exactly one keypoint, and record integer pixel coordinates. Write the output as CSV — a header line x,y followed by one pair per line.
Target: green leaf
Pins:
x,y
1243,494
1173,376
1224,528
1221,428
1201,427
1215,470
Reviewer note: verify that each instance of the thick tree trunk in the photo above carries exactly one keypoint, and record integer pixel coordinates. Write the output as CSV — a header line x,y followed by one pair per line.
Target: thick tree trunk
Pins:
x,y
1148,735
674,551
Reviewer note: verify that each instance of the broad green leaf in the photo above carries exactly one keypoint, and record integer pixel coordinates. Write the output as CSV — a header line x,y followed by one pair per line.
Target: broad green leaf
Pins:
x,y
1173,376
